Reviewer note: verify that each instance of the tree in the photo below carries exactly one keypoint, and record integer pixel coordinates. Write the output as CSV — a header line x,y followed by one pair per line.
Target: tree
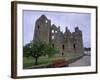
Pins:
x,y
27,50
38,49
50,51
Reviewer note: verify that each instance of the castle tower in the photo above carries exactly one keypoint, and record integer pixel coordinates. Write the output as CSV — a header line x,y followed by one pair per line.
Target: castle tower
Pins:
x,y
59,43
78,41
42,29
68,41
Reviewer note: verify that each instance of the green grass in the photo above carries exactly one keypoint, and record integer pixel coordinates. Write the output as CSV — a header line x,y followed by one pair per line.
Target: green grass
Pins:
x,y
30,61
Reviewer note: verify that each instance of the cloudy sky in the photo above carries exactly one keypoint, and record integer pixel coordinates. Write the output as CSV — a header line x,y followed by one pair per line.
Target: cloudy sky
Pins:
x,y
62,19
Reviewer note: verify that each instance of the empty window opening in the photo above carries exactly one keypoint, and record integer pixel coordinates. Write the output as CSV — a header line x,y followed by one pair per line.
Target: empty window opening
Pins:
x,y
53,37
46,21
53,45
55,31
74,46
52,31
38,26
62,53
63,47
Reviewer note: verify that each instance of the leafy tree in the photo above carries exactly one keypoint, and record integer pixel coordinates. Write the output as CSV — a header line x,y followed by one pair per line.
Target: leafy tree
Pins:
x,y
50,51
38,49
27,50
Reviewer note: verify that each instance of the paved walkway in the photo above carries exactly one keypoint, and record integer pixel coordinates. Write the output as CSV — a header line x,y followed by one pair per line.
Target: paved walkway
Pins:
x,y
84,61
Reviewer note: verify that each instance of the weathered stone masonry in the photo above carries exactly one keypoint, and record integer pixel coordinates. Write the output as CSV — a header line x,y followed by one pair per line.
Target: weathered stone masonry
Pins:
x,y
66,42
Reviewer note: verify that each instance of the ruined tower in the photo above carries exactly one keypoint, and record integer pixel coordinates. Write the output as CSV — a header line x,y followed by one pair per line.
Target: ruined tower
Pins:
x,y
77,41
42,29
68,43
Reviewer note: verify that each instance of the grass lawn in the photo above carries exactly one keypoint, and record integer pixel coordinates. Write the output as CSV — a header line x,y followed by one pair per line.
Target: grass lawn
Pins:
x,y
30,61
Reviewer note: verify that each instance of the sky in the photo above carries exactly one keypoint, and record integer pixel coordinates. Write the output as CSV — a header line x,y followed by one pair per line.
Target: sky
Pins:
x,y
62,19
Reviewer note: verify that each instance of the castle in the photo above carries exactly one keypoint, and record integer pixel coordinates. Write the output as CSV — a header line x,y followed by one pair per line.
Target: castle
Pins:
x,y
66,42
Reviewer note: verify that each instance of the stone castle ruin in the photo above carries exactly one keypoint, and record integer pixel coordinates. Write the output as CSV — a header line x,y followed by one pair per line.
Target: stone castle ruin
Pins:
x,y
66,42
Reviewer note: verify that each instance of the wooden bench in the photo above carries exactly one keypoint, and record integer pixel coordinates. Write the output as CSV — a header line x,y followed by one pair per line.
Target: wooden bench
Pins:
x,y
59,63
